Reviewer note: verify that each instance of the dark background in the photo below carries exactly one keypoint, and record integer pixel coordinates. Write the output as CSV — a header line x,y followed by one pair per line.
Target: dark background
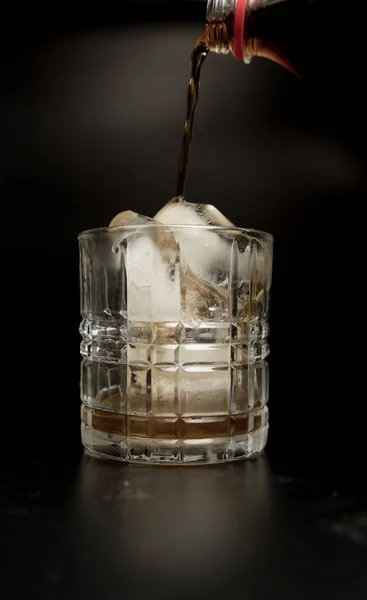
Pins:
x,y
92,107
92,103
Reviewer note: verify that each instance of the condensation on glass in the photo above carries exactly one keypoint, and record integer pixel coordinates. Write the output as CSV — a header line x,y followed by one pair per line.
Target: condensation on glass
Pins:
x,y
174,348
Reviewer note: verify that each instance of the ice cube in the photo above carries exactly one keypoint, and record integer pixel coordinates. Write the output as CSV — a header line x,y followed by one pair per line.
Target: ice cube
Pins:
x,y
152,269
180,212
214,262
205,254
129,217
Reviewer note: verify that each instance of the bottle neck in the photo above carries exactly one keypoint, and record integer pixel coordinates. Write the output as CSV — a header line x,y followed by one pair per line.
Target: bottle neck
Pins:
x,y
304,36
225,30
219,36
279,30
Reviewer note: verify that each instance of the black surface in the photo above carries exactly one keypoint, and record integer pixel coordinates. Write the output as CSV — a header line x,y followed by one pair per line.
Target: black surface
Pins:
x,y
98,530
92,104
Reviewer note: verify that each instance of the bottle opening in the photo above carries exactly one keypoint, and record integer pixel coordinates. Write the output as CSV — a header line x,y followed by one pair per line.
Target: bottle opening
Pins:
x,y
225,31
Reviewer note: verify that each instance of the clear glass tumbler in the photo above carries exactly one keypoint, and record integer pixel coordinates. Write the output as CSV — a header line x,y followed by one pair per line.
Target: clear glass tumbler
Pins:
x,y
174,328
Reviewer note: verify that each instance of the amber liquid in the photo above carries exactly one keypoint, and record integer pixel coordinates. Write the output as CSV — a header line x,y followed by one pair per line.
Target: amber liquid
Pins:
x,y
198,56
216,36
194,427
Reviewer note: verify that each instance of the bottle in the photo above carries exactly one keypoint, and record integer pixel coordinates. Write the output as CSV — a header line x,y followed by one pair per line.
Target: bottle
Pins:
x,y
300,35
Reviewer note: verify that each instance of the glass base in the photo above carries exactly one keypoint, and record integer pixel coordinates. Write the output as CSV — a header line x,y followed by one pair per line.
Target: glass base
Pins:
x,y
139,450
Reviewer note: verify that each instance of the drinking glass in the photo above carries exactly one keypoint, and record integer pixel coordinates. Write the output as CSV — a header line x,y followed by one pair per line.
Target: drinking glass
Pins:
x,y
174,343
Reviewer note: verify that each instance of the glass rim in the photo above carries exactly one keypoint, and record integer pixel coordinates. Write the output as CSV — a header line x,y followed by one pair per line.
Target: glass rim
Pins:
x,y
254,233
